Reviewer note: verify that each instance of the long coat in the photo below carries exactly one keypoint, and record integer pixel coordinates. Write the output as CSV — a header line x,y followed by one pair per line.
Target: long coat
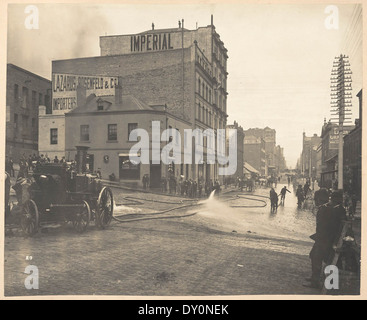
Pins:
x,y
328,227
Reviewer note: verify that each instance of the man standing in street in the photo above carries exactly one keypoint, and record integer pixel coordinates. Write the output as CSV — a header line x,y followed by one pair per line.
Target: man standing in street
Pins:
x,y
328,226
300,196
283,193
273,200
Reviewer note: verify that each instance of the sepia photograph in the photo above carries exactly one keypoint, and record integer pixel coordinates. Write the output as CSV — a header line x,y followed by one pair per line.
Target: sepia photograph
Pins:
x,y
165,150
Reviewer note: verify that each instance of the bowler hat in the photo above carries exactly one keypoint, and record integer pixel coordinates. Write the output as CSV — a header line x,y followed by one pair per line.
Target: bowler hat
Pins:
x,y
337,196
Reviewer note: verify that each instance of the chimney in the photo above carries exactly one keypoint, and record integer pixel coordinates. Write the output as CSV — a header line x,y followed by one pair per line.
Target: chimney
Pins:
x,y
81,95
118,92
81,159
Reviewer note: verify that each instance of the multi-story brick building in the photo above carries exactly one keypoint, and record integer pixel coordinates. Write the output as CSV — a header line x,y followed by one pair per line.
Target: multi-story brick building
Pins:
x,y
254,153
186,70
279,158
269,137
309,155
25,92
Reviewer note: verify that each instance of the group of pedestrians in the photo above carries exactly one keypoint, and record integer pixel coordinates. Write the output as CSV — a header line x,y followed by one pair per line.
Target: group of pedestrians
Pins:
x,y
28,163
302,193
274,198
185,187
9,166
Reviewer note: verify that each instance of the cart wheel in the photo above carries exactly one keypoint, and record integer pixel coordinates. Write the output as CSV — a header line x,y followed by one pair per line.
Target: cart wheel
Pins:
x,y
82,218
104,211
30,218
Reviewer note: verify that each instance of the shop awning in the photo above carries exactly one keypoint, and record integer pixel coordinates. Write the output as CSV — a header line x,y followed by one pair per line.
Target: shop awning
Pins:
x,y
250,168
127,154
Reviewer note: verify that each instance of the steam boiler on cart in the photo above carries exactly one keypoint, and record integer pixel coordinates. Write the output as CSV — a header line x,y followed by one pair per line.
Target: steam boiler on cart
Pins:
x,y
66,193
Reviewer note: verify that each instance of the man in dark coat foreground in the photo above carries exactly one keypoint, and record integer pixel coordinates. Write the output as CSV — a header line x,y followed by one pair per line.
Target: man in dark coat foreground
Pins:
x,y
328,226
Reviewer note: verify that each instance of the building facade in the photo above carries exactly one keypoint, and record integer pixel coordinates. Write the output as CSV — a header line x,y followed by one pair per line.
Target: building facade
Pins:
x,y
25,92
185,70
104,125
279,158
254,153
309,155
330,149
240,147
353,157
274,155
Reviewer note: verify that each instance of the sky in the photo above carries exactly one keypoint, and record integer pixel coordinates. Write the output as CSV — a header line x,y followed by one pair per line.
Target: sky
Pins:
x,y
280,56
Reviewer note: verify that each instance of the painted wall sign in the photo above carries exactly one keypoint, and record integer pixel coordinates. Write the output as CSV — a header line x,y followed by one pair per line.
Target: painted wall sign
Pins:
x,y
151,42
64,89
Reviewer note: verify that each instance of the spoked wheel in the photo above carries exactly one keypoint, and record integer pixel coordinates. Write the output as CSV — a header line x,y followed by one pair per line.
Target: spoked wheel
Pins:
x,y
104,211
82,218
30,218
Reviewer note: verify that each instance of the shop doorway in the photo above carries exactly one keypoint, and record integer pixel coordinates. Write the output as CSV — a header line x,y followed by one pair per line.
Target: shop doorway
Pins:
x,y
155,175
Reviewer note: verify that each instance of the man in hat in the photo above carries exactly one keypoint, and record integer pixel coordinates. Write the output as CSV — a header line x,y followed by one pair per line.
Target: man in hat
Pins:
x,y
328,226
321,197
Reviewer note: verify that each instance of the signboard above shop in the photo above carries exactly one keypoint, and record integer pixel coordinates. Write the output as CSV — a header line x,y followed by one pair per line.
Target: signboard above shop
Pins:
x,y
334,137
64,88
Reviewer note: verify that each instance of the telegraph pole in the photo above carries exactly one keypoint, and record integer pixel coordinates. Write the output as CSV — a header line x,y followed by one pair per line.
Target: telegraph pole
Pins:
x,y
340,105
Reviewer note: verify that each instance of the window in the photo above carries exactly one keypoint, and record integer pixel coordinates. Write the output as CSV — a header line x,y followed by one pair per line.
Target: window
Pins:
x,y
25,97
34,99
16,92
25,121
33,122
47,100
100,105
210,95
199,86
84,133
177,136
170,138
15,120
53,136
112,132
131,127
128,169
40,99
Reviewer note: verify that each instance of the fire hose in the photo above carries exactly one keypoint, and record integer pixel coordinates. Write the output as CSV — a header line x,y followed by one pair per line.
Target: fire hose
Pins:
x,y
158,215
